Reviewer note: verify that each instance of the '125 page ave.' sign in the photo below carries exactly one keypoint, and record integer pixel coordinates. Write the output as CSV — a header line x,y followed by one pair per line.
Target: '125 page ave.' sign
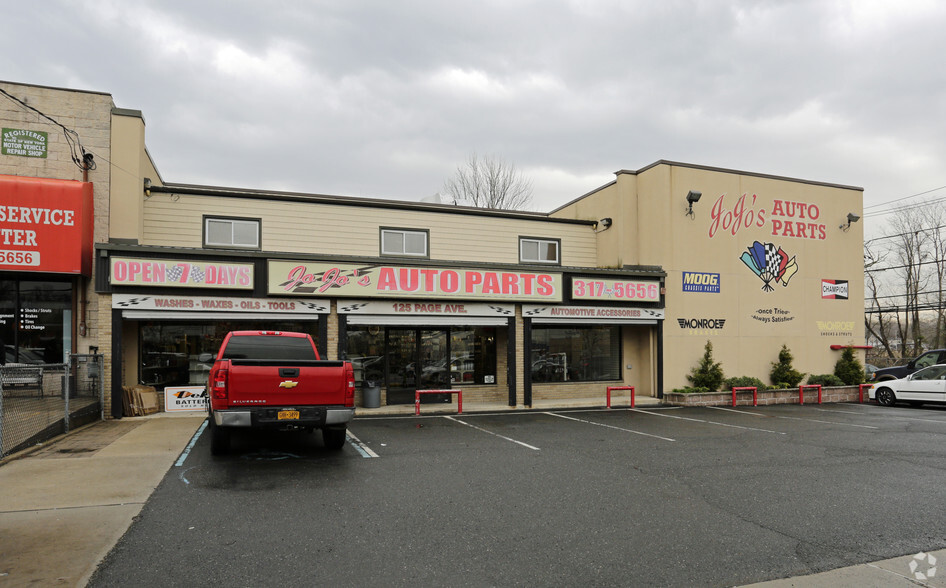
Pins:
x,y
329,279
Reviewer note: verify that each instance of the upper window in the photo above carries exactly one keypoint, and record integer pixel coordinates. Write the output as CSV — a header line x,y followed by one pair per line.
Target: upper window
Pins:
x,y
231,232
403,242
533,250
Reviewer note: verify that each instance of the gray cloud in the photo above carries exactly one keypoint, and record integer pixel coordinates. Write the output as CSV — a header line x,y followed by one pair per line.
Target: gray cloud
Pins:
x,y
385,99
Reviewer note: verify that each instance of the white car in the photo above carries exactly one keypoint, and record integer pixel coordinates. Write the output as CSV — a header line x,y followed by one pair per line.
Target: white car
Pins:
x,y
925,385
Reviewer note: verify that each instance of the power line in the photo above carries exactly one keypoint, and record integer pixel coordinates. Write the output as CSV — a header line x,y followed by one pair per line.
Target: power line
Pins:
x,y
889,202
83,159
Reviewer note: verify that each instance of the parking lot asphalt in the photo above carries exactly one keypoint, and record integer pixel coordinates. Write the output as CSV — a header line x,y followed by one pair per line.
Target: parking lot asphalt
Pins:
x,y
655,496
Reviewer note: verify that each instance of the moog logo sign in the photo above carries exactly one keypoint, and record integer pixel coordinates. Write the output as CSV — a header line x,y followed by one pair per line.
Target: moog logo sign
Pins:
x,y
701,282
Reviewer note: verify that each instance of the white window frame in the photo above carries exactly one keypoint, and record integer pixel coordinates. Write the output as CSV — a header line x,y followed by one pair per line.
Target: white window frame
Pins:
x,y
254,222
540,242
404,233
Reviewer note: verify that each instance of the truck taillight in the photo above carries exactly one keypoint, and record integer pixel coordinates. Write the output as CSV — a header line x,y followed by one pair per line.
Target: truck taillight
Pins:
x,y
219,384
349,384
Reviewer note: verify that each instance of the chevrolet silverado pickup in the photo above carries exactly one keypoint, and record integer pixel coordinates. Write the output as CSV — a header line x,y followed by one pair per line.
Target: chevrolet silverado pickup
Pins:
x,y
276,380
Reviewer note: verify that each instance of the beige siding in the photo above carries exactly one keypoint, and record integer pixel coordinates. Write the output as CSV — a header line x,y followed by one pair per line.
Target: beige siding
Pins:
x,y
295,227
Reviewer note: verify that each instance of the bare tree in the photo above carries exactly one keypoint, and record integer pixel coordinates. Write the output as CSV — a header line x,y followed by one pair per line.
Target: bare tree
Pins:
x,y
933,217
907,244
490,182
876,317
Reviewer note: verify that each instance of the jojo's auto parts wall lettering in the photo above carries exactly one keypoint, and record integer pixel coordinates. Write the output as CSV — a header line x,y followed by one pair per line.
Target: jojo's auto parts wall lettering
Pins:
x,y
785,218
770,263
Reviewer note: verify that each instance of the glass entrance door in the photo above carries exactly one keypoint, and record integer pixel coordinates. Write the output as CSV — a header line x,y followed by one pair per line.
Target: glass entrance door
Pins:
x,y
417,359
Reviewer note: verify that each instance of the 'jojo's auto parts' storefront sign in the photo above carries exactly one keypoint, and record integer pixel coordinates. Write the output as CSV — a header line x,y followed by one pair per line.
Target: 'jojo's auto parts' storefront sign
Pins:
x,y
365,281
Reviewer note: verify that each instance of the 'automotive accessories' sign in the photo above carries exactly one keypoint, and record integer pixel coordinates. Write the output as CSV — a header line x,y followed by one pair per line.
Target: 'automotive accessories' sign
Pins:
x,y
372,281
592,314
701,282
834,289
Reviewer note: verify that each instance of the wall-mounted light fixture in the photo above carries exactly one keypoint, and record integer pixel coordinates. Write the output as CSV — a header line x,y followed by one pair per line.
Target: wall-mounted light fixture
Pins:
x,y
851,218
147,187
604,224
692,197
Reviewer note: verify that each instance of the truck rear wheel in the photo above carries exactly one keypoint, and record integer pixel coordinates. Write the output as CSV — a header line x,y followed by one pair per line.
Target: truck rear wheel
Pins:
x,y
334,439
219,439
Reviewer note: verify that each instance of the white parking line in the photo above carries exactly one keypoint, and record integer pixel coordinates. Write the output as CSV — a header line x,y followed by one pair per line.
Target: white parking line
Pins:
x,y
360,447
670,416
759,414
778,416
561,416
900,418
838,411
456,420
826,422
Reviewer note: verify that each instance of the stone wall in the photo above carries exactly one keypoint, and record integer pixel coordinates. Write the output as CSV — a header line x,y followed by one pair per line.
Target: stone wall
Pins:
x,y
766,397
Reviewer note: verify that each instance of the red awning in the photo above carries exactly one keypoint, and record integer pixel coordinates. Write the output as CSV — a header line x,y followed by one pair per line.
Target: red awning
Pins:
x,y
46,225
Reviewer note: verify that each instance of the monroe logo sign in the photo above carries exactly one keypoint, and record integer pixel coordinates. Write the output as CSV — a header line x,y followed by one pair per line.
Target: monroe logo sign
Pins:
x,y
695,323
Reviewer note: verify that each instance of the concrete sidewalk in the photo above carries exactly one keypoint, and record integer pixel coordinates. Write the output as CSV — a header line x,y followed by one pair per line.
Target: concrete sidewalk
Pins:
x,y
64,505
905,571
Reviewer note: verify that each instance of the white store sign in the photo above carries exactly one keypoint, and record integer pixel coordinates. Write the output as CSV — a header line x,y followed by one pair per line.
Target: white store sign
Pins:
x,y
181,398
219,304
433,312
592,314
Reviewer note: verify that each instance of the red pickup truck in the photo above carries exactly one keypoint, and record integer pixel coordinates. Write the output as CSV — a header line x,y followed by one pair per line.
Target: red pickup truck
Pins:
x,y
276,380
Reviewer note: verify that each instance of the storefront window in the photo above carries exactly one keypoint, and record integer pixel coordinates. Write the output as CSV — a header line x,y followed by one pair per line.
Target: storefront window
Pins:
x,y
35,321
471,359
473,354
576,354
169,351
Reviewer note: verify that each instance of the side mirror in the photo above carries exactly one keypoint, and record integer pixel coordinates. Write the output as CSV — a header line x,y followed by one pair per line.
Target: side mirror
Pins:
x,y
205,357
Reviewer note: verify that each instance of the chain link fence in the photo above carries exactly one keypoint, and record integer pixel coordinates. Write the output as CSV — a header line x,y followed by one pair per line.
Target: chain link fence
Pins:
x,y
40,401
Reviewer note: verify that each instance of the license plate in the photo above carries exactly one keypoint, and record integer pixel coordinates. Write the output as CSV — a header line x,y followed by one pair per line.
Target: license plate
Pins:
x,y
288,415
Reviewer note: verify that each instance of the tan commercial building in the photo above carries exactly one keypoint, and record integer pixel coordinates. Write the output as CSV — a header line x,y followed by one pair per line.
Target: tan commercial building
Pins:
x,y
621,287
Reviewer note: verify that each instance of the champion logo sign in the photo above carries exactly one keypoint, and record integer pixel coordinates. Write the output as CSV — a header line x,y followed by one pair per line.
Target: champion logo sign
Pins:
x,y
834,289
695,323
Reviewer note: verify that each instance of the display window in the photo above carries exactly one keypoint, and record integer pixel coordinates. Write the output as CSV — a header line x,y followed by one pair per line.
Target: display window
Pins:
x,y
35,321
576,354
169,351
447,356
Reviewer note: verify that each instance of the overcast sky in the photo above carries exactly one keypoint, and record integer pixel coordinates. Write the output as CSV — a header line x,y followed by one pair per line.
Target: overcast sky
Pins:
x,y
384,99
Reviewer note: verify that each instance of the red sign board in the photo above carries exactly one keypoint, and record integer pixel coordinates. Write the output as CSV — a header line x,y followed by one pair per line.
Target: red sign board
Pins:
x,y
45,225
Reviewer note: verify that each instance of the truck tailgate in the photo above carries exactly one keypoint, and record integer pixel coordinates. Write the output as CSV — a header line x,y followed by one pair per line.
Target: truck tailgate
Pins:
x,y
254,383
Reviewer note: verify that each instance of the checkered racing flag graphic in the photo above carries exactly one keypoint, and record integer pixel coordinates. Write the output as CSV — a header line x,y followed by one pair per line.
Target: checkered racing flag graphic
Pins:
x,y
174,273
132,301
353,307
197,274
501,310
